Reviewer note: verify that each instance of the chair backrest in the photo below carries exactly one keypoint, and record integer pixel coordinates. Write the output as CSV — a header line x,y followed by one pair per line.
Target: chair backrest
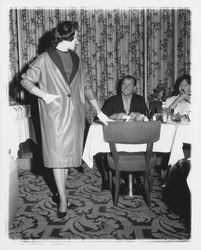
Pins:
x,y
132,132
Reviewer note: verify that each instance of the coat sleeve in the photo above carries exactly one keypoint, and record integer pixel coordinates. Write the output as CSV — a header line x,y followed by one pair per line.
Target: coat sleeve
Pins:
x,y
88,87
31,77
33,73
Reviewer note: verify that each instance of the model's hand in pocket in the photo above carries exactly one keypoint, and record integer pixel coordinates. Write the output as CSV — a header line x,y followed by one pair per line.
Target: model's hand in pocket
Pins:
x,y
48,98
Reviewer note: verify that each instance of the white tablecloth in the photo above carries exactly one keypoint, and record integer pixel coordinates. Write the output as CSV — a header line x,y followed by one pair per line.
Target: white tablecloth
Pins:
x,y
182,135
20,128
171,140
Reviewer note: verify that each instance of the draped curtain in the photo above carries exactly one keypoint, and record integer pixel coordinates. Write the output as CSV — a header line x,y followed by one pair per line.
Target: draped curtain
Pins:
x,y
112,42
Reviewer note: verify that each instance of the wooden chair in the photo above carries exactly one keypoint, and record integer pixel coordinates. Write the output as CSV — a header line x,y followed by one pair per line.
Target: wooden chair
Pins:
x,y
131,133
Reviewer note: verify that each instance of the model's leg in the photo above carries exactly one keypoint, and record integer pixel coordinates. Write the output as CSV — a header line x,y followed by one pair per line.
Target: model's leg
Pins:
x,y
66,170
59,175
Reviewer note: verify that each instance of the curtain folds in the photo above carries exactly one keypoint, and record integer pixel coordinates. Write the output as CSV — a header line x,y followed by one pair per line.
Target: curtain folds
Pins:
x,y
112,44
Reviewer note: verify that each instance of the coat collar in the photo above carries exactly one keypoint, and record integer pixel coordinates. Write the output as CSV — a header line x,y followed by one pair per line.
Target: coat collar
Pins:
x,y
57,60
76,61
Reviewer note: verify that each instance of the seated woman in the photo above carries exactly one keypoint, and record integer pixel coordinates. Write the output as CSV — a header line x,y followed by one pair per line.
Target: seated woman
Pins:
x,y
180,102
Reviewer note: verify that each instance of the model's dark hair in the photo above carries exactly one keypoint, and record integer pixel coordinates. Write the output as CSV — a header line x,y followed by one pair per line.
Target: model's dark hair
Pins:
x,y
119,84
178,82
64,31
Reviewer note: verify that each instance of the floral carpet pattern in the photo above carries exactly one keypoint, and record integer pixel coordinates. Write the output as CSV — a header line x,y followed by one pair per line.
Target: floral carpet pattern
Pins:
x,y
95,217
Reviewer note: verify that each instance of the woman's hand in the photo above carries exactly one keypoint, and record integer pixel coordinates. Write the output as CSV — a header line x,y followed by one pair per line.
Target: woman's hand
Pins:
x,y
186,97
103,118
180,98
183,97
48,98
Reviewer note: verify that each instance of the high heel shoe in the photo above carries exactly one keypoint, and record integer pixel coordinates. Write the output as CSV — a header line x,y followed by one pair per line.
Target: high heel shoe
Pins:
x,y
61,214
55,199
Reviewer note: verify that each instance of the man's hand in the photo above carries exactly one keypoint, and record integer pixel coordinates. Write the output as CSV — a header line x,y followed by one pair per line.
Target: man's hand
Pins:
x,y
125,117
117,116
136,116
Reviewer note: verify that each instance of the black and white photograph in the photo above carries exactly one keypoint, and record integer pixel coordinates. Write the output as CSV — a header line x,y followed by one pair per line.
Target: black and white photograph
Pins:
x,y
100,124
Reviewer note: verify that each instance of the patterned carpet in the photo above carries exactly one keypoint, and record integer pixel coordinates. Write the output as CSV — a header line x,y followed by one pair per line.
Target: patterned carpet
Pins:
x,y
95,217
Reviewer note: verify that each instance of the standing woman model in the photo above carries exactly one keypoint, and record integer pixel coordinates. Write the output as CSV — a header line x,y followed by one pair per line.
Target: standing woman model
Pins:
x,y
63,82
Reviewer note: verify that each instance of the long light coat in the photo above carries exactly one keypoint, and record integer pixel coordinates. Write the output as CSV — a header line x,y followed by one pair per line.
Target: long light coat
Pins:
x,y
62,121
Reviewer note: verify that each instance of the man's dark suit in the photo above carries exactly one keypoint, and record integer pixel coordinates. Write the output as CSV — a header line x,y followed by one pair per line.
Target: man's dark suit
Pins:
x,y
115,105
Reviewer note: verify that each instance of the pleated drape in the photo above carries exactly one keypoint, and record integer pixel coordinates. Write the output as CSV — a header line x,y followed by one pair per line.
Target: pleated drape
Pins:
x,y
112,43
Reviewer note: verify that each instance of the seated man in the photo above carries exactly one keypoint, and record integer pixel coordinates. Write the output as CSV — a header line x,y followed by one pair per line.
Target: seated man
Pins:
x,y
126,102
125,105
